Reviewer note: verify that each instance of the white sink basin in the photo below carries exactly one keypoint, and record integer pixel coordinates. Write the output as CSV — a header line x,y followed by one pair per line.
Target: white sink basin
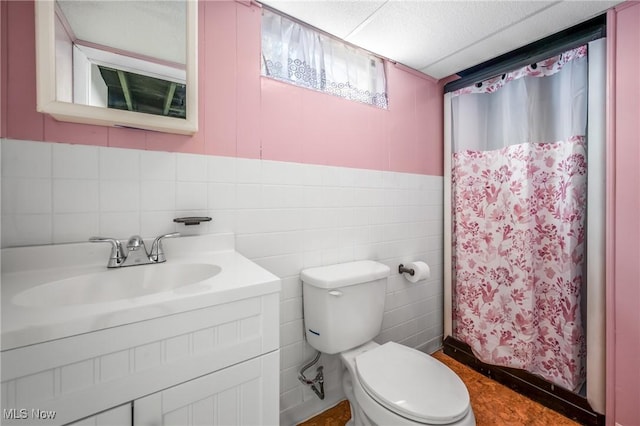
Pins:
x,y
116,284
57,291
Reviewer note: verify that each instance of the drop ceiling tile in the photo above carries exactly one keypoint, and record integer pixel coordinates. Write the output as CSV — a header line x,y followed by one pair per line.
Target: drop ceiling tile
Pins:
x,y
549,21
335,17
440,38
418,33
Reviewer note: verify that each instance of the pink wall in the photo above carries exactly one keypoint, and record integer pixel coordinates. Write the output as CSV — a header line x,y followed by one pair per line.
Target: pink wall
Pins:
x,y
245,115
623,277
3,68
242,114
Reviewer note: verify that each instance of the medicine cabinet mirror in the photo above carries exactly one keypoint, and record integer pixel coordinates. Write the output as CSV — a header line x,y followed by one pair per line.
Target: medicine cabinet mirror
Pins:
x,y
119,63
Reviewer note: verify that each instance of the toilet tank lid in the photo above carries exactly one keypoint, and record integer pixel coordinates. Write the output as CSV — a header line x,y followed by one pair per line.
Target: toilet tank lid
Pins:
x,y
345,274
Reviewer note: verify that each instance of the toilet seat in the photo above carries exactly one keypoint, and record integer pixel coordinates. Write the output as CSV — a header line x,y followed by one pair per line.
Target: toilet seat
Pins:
x,y
412,384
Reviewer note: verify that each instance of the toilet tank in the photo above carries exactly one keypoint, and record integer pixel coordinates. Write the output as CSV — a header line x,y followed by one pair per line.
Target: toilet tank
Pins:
x,y
343,304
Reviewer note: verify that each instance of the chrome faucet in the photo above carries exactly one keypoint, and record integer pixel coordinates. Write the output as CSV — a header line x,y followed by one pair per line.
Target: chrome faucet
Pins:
x,y
136,251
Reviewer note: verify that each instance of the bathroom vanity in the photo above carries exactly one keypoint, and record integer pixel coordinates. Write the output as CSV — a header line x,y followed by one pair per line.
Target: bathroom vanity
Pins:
x,y
199,351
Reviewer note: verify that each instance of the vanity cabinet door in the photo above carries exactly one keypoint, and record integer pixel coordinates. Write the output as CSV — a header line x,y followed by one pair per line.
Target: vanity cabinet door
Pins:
x,y
243,394
118,416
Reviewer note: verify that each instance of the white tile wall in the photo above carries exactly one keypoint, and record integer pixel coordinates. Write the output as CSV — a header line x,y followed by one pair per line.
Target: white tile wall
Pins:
x,y
285,216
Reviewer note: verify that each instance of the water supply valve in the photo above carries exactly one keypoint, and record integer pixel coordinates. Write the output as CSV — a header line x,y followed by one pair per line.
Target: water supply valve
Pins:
x,y
317,383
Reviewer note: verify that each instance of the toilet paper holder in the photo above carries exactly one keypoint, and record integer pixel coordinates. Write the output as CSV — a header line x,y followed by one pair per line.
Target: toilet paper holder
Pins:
x,y
402,270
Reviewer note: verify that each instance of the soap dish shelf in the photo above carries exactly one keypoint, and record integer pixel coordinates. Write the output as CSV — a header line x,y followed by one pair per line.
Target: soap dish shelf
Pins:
x,y
192,220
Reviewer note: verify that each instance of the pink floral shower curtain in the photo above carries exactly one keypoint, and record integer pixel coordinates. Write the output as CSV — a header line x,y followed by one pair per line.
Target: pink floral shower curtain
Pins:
x,y
519,203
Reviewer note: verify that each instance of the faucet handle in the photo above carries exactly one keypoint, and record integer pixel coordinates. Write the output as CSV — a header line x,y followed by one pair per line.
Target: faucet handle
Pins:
x,y
157,253
117,254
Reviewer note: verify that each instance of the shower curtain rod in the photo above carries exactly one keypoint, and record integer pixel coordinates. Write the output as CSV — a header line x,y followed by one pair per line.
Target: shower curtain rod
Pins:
x,y
539,50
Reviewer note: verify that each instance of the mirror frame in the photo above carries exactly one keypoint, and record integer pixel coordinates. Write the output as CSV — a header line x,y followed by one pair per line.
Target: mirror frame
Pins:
x,y
87,114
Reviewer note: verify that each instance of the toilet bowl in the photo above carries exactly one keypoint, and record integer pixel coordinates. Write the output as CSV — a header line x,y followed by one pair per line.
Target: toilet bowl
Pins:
x,y
392,384
388,384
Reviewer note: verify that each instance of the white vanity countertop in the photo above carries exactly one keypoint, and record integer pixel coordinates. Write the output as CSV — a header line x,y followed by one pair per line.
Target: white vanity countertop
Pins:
x,y
27,267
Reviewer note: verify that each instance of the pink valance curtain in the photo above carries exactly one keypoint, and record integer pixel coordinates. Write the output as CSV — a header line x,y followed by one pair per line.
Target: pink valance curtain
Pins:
x,y
519,202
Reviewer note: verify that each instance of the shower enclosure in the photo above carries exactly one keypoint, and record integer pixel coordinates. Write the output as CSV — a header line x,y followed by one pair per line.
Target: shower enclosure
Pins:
x,y
524,219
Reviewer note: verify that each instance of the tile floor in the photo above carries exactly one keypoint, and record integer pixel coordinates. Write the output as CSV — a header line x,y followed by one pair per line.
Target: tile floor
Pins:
x,y
493,404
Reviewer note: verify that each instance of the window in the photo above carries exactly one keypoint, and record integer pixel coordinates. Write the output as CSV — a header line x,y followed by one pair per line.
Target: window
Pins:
x,y
302,56
122,81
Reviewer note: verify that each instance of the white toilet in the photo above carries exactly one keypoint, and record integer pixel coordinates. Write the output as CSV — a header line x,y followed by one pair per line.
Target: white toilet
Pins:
x,y
388,384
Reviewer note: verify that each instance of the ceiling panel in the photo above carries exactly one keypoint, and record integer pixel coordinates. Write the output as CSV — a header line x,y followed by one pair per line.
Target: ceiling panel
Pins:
x,y
440,38
335,17
560,16
420,33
